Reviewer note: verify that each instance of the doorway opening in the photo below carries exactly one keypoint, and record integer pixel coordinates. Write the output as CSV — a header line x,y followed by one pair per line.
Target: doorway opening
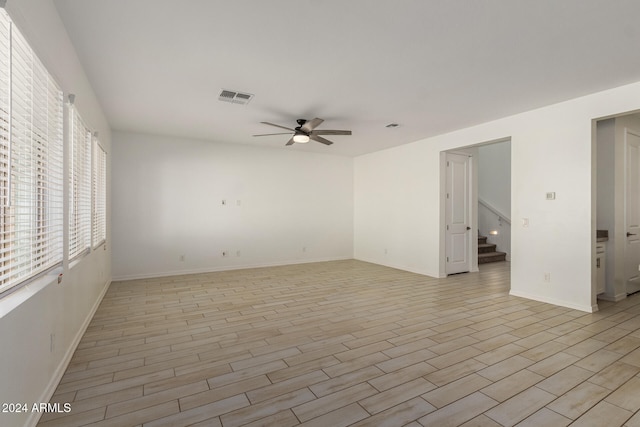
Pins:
x,y
616,234
476,206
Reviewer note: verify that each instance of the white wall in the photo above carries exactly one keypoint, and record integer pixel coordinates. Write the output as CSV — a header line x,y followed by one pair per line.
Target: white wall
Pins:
x,y
551,151
396,195
605,199
605,174
29,370
293,207
494,175
494,194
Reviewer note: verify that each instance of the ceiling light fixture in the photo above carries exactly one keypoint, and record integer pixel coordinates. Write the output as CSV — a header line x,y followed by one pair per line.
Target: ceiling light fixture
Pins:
x,y
301,138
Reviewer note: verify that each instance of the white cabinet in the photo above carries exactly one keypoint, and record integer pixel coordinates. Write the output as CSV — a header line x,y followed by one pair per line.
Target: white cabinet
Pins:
x,y
601,256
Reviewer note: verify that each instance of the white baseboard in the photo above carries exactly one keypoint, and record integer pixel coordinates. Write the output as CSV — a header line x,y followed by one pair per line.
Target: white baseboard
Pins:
x,y
396,266
34,417
554,301
613,298
222,268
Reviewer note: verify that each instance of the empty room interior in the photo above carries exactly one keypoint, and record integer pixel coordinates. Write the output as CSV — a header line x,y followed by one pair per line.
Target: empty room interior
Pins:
x,y
283,213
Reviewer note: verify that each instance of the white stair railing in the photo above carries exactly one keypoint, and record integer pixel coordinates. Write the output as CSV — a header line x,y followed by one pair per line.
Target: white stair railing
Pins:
x,y
495,225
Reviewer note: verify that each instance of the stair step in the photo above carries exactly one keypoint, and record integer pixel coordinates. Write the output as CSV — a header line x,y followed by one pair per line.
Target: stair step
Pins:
x,y
484,258
482,240
484,248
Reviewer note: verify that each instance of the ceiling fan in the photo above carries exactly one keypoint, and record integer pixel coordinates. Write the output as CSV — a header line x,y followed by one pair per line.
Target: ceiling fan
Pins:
x,y
305,131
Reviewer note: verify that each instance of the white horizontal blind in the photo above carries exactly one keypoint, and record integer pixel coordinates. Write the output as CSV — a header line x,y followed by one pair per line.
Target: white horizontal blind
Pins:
x,y
79,185
31,162
99,195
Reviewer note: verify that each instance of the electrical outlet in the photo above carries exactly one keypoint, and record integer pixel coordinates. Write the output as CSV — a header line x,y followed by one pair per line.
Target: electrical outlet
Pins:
x,y
547,277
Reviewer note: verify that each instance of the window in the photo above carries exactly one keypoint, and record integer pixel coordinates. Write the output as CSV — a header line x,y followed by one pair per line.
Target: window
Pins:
x,y
79,185
31,162
99,194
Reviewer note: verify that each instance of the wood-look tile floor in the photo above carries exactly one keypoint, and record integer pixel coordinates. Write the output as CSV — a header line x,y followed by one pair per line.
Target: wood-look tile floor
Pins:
x,y
349,343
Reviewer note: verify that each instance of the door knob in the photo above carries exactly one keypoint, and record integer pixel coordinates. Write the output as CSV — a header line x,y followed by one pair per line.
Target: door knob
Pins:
x,y
468,228
630,234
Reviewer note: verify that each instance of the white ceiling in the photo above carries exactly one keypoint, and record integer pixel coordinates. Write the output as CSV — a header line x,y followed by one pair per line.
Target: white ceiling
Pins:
x,y
432,66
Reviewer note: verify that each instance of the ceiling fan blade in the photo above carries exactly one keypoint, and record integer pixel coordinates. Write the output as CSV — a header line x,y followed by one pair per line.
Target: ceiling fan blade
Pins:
x,y
269,134
320,139
311,125
278,126
331,132
291,142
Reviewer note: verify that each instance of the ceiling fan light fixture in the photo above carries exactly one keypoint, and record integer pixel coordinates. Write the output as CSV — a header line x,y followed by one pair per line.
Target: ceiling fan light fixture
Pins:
x,y
301,138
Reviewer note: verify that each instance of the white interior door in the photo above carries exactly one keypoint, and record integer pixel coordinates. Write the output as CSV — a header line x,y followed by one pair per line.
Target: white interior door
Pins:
x,y
632,213
457,214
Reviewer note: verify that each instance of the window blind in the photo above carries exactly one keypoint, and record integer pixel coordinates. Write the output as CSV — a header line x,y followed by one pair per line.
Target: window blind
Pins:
x,y
31,162
99,195
79,185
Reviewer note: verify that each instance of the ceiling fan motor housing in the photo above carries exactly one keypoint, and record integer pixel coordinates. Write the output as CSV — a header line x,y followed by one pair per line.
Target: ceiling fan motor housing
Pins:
x,y
298,129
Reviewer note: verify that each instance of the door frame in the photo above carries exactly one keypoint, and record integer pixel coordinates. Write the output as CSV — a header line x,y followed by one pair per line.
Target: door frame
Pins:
x,y
616,289
470,150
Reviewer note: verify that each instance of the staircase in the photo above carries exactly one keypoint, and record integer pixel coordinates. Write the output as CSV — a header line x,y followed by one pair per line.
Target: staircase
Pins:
x,y
487,252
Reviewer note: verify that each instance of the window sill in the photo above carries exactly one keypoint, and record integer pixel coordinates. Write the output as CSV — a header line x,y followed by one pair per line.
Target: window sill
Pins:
x,y
15,299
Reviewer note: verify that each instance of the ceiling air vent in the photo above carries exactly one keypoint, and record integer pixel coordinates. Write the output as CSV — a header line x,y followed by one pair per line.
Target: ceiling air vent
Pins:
x,y
235,97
